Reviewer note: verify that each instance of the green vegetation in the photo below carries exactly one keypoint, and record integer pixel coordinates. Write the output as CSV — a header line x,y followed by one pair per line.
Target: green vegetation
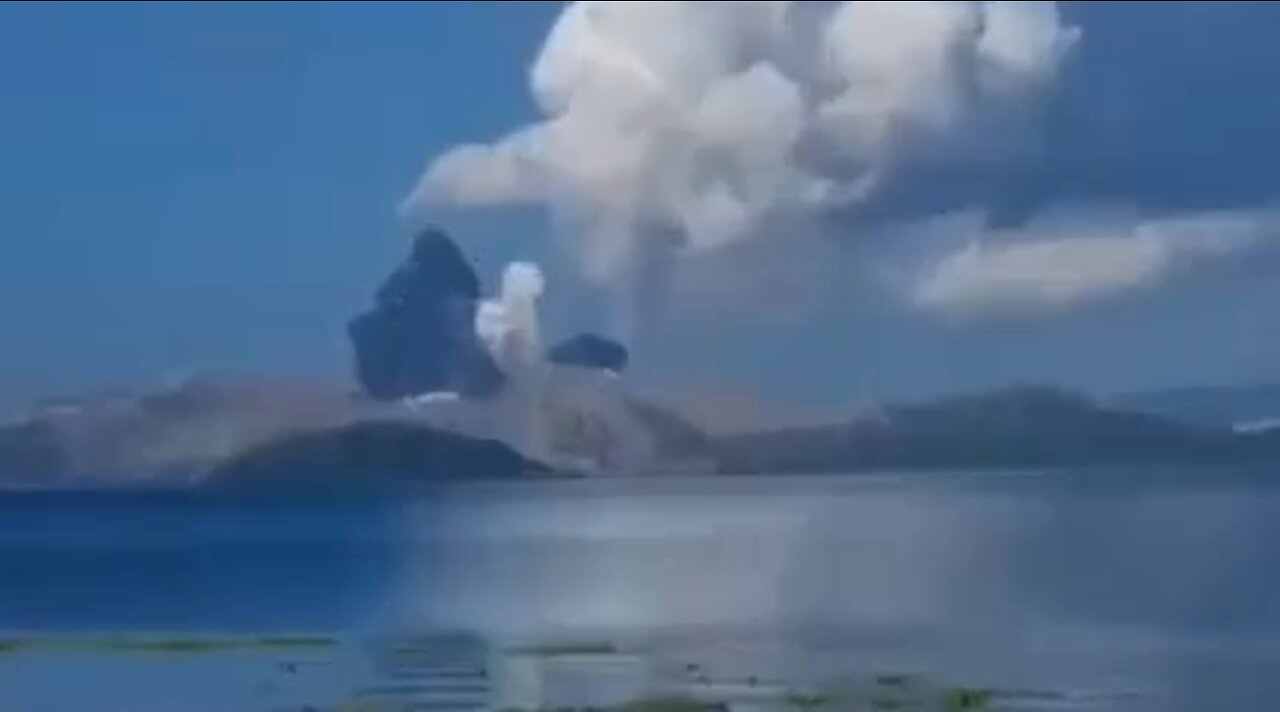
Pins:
x,y
173,645
806,701
673,705
158,645
957,700
652,705
8,647
893,692
877,693
296,642
562,649
965,699
896,680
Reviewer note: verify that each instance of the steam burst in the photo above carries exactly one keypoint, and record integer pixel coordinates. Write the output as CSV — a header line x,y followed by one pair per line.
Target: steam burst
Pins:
x,y
508,323
678,128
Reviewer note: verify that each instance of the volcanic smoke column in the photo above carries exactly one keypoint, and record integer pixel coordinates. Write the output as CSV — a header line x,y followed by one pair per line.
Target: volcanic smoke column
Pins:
x,y
678,129
508,325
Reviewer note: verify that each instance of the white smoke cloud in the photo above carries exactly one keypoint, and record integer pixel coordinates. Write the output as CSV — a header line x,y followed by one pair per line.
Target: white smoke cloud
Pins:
x,y
1042,268
508,324
708,120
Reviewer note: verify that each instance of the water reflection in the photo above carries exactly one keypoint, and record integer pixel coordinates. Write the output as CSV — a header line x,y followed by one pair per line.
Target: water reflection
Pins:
x,y
1106,581
1112,590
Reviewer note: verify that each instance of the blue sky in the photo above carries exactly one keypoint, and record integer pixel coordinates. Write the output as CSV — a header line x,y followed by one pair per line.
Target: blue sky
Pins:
x,y
195,187
214,186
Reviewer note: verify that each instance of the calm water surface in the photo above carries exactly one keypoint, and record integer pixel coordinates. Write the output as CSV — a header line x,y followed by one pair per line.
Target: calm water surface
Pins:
x,y
1133,590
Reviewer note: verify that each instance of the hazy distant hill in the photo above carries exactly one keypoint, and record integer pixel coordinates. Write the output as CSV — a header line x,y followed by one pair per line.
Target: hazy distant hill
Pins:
x,y
674,436
171,434
177,435
585,422
1224,406
1018,427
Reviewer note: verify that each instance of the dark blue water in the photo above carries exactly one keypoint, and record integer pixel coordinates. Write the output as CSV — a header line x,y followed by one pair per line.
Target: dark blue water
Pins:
x,y
174,561
1152,589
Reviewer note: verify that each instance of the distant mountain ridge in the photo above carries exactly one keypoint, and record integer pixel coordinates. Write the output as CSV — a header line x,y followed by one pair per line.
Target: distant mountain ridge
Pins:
x,y
433,404
182,434
1011,428
209,431
1220,406
172,434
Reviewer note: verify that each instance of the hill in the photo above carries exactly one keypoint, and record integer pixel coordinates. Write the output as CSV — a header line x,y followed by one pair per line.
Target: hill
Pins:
x,y
1017,427
370,456
1220,406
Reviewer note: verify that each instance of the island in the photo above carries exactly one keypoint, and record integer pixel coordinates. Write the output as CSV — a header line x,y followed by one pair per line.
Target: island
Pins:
x,y
432,401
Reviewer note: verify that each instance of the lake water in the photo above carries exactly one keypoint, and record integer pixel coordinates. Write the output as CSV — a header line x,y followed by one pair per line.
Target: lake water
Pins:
x,y
1127,590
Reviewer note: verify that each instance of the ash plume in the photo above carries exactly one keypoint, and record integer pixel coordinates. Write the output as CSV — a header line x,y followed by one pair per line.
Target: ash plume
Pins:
x,y
678,129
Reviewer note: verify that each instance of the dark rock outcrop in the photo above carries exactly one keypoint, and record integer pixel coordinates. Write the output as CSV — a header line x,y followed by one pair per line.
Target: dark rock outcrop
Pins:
x,y
420,334
589,351
370,456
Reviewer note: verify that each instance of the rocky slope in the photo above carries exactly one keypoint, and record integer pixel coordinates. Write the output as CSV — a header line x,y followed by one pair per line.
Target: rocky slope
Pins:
x,y
170,435
370,456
